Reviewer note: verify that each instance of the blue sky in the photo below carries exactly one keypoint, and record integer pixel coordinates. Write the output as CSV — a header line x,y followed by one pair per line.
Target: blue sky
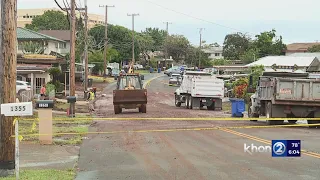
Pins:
x,y
295,20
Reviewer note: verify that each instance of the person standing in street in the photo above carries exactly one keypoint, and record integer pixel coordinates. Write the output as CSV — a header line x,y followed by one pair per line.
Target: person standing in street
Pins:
x,y
91,100
43,91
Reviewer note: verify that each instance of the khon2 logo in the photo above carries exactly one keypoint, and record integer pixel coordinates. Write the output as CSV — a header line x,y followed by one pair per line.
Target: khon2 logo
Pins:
x,y
286,148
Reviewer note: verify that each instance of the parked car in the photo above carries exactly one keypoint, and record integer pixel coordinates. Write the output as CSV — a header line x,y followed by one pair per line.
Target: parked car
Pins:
x,y
173,70
22,86
175,79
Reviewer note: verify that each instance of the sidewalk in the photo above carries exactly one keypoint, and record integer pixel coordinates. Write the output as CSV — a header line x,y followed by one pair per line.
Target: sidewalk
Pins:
x,y
48,156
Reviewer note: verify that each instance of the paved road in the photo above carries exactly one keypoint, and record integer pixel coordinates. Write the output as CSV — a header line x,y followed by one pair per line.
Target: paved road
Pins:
x,y
197,154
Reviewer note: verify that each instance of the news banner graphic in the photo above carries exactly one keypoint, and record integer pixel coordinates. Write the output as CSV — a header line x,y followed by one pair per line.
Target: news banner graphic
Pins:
x,y
286,148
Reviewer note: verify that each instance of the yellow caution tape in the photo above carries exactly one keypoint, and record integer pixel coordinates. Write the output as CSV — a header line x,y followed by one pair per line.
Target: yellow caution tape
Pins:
x,y
171,119
174,130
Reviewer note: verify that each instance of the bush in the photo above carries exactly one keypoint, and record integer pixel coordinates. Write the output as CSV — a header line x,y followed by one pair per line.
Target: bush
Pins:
x,y
247,97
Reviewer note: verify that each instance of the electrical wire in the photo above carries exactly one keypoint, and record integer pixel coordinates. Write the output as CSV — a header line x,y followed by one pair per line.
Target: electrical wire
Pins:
x,y
197,18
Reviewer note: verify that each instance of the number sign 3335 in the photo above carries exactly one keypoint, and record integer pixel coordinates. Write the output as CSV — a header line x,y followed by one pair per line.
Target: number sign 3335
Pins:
x,y
18,108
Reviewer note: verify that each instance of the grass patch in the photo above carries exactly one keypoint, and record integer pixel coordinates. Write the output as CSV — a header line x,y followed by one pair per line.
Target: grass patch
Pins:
x,y
62,106
142,71
66,126
45,174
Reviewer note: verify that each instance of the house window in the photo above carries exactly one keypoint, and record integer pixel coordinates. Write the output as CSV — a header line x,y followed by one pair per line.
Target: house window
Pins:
x,y
57,45
62,45
216,54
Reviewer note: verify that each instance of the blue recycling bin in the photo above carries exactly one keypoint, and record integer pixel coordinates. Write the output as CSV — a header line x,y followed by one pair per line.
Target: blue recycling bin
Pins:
x,y
159,70
237,107
151,70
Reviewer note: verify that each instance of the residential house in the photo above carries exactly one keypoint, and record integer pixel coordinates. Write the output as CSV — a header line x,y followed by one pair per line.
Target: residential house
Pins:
x,y
25,16
298,48
214,52
49,44
286,63
65,35
34,68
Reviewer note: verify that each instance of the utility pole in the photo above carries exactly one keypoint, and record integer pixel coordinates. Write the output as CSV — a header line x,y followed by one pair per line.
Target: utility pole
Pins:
x,y
8,74
133,15
166,47
72,54
85,48
105,40
200,46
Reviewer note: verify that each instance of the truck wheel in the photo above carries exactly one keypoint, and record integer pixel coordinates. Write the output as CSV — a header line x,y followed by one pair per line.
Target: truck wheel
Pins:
x,y
117,109
187,102
250,114
269,115
143,108
190,102
176,102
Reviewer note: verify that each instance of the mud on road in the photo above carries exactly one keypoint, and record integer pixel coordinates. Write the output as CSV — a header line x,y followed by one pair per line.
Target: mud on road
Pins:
x,y
180,155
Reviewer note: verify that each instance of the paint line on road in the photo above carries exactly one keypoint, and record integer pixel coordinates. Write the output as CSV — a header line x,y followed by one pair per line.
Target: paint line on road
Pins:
x,y
312,154
149,81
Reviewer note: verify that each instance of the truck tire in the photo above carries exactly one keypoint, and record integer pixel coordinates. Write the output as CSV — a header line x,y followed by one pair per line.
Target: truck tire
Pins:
x,y
190,102
250,114
176,102
211,107
187,102
117,109
143,108
270,115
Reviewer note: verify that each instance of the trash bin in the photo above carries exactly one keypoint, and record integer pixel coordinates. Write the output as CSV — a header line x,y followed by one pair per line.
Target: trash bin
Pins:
x,y
151,70
159,70
90,81
237,107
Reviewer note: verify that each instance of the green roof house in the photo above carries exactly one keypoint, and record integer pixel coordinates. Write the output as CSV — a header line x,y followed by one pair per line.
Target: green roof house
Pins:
x,y
34,42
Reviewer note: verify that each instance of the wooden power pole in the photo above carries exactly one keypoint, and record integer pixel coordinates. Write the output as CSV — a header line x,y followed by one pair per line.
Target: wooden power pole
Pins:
x,y
8,75
200,46
72,54
166,47
105,40
85,49
133,15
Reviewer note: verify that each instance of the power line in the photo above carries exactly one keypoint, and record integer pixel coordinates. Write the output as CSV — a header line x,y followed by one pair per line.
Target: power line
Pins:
x,y
200,19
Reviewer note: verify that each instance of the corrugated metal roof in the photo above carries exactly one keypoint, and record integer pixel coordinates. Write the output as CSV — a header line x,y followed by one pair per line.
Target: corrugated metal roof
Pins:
x,y
26,34
317,54
283,61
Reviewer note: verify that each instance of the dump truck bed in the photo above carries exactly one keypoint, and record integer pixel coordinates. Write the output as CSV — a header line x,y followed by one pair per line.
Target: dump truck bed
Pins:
x,y
291,91
136,96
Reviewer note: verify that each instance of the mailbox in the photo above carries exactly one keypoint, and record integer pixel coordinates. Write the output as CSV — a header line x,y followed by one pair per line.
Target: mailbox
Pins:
x,y
71,99
44,104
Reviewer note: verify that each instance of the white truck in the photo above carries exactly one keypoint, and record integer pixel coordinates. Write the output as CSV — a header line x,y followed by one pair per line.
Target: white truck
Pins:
x,y
200,89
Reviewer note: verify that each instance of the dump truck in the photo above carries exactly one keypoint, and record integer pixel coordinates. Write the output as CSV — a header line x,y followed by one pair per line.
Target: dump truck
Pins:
x,y
285,95
199,89
130,93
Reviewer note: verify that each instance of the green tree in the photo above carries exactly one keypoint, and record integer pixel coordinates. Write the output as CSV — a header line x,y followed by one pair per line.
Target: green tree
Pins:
x,y
192,57
158,36
314,48
51,19
268,44
219,62
250,55
235,45
177,46
256,71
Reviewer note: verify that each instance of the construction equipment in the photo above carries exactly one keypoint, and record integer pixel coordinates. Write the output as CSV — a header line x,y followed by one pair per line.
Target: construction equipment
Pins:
x,y
285,95
130,93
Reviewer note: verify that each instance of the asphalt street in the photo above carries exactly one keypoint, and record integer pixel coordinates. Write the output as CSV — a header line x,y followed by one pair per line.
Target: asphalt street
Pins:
x,y
190,154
